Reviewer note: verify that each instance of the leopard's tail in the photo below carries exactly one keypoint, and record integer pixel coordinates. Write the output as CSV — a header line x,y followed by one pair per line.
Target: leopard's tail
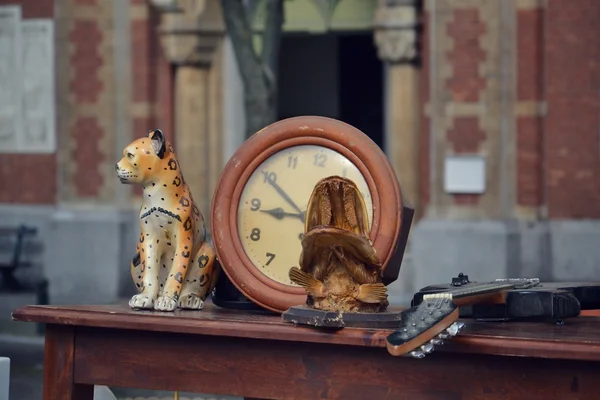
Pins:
x,y
211,270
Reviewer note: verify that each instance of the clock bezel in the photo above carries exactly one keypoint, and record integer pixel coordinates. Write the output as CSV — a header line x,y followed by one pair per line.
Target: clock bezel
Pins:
x,y
296,131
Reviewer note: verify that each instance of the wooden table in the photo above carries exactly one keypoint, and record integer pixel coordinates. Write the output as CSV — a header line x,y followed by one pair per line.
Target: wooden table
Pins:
x,y
256,355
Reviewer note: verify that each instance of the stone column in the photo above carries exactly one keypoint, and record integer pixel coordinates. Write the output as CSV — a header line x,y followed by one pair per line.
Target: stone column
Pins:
x,y
395,37
192,33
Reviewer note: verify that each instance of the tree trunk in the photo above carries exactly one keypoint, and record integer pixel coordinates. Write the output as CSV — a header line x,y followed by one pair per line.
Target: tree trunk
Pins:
x,y
261,108
259,73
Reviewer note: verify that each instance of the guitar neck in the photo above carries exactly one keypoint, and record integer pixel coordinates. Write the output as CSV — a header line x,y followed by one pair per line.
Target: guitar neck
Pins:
x,y
481,293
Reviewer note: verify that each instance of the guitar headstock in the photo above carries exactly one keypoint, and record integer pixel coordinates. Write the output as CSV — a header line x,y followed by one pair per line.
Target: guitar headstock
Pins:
x,y
425,326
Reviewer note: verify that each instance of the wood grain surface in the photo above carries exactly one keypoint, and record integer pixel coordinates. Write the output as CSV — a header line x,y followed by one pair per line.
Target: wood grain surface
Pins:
x,y
578,338
304,371
59,370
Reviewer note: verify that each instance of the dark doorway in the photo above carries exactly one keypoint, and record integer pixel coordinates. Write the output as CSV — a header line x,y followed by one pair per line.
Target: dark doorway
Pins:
x,y
333,75
361,85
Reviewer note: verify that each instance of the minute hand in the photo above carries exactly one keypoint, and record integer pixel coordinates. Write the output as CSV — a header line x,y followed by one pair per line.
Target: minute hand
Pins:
x,y
282,193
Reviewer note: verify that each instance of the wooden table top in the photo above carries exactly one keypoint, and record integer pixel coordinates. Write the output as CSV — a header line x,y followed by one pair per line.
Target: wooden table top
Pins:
x,y
578,338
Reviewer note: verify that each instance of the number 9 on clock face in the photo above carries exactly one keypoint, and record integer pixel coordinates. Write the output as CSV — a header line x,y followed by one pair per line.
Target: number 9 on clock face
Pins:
x,y
272,206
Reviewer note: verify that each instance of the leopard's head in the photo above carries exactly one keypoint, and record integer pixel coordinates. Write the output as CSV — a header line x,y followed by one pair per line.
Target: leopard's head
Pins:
x,y
142,158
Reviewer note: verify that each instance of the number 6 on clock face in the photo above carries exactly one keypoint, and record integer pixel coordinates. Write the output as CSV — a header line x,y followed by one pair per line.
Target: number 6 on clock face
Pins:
x,y
271,210
259,204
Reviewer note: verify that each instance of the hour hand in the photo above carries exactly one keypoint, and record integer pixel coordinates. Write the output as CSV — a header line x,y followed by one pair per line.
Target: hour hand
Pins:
x,y
281,192
279,213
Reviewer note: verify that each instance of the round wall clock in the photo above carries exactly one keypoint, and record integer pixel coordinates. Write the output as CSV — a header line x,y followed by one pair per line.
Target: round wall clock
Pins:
x,y
258,208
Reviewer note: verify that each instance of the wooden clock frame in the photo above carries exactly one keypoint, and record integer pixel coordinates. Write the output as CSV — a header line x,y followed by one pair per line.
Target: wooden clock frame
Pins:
x,y
388,208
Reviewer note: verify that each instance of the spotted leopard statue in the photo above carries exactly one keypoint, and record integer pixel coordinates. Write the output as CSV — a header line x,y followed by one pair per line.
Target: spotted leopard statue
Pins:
x,y
174,265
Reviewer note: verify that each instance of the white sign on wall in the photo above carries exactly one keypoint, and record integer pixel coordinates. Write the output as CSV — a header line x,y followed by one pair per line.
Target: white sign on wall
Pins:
x,y
27,105
38,113
10,79
464,174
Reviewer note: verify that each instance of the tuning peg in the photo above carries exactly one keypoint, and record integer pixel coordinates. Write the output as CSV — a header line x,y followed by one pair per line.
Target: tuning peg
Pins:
x,y
427,348
443,335
436,342
460,325
417,354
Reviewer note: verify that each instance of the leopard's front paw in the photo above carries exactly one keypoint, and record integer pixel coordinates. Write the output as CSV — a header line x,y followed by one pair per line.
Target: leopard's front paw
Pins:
x,y
165,303
141,301
191,302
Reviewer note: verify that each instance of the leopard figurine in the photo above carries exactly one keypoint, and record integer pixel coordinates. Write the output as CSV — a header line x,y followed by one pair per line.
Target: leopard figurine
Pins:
x,y
174,266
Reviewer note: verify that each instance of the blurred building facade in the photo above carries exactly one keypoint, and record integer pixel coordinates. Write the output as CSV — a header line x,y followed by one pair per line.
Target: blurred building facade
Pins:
x,y
488,110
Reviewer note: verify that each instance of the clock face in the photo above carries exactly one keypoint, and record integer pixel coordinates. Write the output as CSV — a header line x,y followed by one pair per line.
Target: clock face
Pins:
x,y
270,218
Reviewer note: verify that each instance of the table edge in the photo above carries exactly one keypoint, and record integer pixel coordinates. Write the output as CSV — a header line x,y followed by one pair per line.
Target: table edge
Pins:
x,y
463,343
233,328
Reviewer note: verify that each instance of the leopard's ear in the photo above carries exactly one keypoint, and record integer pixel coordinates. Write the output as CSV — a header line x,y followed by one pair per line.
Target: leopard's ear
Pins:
x,y
159,144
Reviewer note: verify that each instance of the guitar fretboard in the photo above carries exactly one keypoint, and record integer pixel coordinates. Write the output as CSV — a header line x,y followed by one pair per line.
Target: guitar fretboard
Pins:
x,y
470,291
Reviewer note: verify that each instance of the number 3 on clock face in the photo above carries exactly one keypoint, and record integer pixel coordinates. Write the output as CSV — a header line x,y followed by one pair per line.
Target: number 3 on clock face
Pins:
x,y
272,206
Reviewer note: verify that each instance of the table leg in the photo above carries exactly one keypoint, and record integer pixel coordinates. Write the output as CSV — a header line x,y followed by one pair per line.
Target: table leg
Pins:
x,y
59,367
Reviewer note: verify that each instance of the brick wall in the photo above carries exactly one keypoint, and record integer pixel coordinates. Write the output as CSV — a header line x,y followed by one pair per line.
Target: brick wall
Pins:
x,y
555,79
33,9
85,85
459,115
530,80
572,126
29,178
152,77
86,88
466,84
90,92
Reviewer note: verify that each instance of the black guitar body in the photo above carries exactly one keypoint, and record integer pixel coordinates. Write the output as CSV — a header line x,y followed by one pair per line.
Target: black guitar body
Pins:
x,y
533,300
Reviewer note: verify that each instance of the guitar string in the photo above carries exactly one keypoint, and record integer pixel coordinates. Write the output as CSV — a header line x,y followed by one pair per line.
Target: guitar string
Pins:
x,y
486,287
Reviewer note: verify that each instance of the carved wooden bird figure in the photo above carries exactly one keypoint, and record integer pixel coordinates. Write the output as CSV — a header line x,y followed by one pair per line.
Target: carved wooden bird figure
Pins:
x,y
339,267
